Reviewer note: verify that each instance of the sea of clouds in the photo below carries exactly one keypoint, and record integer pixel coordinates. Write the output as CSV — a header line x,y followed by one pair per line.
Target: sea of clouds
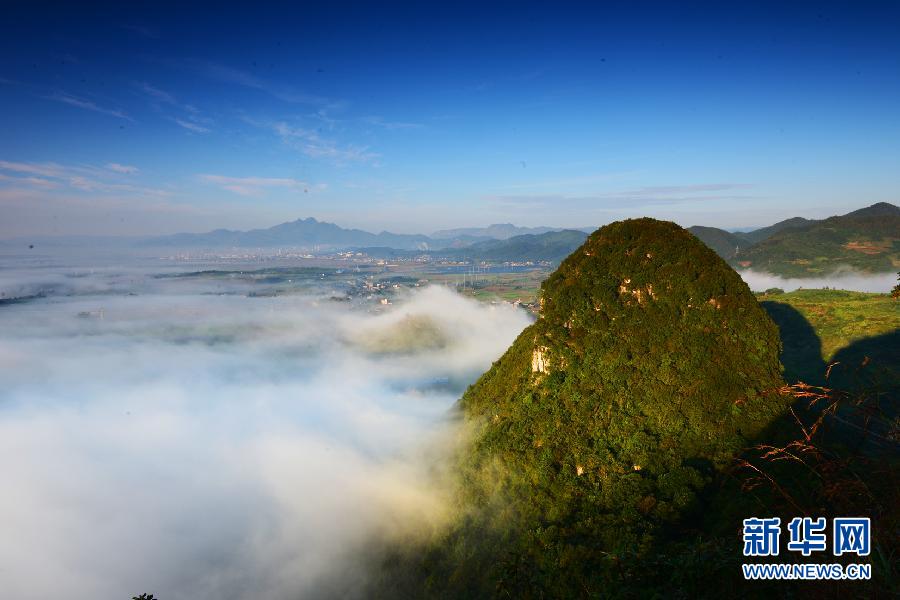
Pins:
x,y
197,443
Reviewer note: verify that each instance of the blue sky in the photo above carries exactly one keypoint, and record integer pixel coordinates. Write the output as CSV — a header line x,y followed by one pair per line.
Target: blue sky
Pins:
x,y
411,118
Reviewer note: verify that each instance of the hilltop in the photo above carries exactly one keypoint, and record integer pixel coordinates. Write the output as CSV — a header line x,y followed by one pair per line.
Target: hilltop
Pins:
x,y
651,365
879,209
758,235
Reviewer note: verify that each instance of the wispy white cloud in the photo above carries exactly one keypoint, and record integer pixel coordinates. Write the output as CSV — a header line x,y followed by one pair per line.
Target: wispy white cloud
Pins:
x,y
390,125
37,182
47,176
190,117
643,196
254,186
124,169
312,144
85,104
569,182
226,74
661,190
191,126
42,169
86,184
155,92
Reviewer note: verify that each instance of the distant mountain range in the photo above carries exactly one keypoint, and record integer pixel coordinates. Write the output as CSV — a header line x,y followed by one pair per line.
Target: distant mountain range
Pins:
x,y
498,231
728,244
319,235
867,239
308,233
551,246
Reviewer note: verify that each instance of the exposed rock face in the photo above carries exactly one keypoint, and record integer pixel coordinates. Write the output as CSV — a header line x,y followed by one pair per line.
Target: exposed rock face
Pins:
x,y
539,362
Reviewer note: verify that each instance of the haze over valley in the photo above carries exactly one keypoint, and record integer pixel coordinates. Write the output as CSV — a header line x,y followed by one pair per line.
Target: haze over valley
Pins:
x,y
235,446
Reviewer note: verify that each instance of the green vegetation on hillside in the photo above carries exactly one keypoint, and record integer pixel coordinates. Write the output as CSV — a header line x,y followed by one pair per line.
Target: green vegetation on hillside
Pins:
x,y
724,243
729,245
552,246
838,338
598,432
866,240
839,317
870,244
616,446
758,235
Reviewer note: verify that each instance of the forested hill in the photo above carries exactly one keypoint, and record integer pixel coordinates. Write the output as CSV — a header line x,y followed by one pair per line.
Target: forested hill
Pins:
x,y
867,239
552,246
651,366
864,242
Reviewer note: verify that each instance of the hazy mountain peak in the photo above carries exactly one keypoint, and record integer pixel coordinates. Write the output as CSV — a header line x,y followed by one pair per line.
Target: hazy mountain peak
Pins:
x,y
879,209
497,231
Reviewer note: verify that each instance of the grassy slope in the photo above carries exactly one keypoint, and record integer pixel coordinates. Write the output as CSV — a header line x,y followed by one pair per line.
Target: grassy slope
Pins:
x,y
840,318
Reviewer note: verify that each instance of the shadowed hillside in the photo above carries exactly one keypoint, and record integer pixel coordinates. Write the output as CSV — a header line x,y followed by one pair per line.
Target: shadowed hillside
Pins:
x,y
801,352
870,363
818,326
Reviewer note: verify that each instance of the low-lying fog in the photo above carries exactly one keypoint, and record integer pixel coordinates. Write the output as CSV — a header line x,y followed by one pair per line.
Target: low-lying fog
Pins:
x,y
841,280
196,444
